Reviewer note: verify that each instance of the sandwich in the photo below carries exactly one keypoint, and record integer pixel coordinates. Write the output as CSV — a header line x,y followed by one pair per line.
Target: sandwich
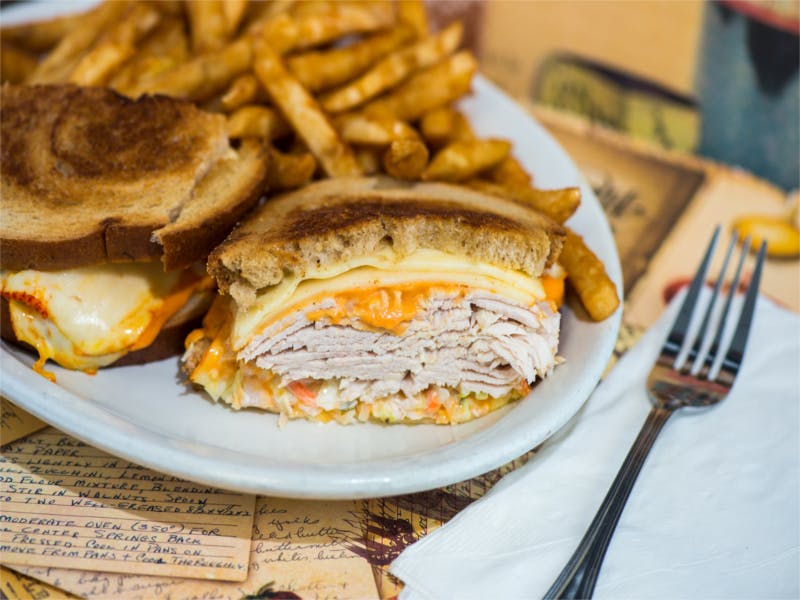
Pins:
x,y
108,207
368,299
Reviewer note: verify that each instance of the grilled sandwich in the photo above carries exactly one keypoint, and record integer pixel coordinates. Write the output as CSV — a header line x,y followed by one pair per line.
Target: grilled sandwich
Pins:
x,y
108,206
362,299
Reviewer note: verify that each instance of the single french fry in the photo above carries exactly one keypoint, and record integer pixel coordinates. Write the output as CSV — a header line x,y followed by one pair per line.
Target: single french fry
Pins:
x,y
322,70
412,12
203,76
259,12
115,46
256,121
207,24
368,159
587,275
60,62
372,130
406,159
245,89
286,33
428,89
303,113
393,69
40,36
289,171
460,161
16,64
445,125
510,173
163,48
558,204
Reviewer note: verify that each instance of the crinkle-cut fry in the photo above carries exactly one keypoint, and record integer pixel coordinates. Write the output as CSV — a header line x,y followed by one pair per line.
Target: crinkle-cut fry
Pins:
x,y
40,36
289,171
430,88
163,48
320,70
406,159
460,161
57,65
558,204
16,64
369,159
393,69
286,33
245,89
445,125
207,24
510,172
412,12
257,121
203,76
303,113
373,130
115,46
587,275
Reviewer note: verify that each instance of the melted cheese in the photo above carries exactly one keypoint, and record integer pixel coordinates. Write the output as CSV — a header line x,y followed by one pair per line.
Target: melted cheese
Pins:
x,y
89,317
424,269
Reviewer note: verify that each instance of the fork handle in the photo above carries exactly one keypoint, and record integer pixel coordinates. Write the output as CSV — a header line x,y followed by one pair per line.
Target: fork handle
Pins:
x,y
579,576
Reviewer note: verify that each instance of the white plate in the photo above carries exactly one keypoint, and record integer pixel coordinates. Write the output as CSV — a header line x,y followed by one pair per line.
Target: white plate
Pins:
x,y
147,415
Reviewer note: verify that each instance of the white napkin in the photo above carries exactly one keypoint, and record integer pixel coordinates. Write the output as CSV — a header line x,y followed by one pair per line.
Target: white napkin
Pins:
x,y
715,512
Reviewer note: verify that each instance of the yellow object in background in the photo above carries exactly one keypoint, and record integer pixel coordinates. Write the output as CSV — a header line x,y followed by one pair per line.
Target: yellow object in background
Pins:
x,y
612,98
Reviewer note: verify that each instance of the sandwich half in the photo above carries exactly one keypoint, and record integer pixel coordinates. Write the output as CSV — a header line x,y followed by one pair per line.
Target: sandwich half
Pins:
x,y
108,206
362,299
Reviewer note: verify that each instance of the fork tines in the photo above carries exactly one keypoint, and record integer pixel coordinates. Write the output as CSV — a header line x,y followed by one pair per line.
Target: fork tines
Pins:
x,y
705,349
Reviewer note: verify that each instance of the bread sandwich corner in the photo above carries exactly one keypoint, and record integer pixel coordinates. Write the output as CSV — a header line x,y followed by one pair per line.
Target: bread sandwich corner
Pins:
x,y
108,206
368,299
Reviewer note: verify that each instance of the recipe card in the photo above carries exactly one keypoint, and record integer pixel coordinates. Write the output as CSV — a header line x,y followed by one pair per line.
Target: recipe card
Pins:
x,y
67,503
301,548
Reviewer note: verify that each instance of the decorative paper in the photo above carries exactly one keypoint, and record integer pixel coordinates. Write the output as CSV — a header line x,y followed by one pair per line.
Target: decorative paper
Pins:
x,y
66,503
300,547
16,423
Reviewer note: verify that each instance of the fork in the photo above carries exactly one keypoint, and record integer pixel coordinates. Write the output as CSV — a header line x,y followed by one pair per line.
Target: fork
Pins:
x,y
673,383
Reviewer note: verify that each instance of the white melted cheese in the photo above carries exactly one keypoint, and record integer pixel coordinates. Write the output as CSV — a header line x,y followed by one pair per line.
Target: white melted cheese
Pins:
x,y
381,269
86,317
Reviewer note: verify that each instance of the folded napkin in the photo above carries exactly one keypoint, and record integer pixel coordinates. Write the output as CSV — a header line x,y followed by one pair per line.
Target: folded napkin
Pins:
x,y
714,514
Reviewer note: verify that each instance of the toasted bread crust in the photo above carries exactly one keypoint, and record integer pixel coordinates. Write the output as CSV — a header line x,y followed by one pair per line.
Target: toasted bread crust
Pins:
x,y
340,219
89,176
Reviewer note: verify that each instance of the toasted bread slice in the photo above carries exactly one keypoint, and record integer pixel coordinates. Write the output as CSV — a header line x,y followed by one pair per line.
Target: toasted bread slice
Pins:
x,y
338,220
90,176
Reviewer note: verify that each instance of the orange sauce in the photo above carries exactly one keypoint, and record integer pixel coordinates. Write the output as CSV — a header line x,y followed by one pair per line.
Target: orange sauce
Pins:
x,y
387,308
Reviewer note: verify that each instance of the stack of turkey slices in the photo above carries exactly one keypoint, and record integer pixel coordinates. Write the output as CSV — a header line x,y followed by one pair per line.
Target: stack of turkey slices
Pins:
x,y
107,206
360,299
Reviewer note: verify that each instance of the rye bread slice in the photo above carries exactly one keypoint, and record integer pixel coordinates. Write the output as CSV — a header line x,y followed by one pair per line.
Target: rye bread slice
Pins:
x,y
89,176
336,220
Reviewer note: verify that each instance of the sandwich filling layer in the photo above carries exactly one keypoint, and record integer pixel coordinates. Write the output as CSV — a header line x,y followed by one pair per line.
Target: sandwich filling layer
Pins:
x,y
89,317
431,337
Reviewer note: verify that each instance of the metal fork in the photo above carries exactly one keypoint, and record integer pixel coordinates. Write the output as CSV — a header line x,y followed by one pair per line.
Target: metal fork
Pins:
x,y
670,386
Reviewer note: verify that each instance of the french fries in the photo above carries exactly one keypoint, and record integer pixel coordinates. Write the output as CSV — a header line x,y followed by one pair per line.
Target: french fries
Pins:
x,y
461,161
393,69
587,275
405,159
256,121
289,171
345,87
321,70
303,112
431,88
373,130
